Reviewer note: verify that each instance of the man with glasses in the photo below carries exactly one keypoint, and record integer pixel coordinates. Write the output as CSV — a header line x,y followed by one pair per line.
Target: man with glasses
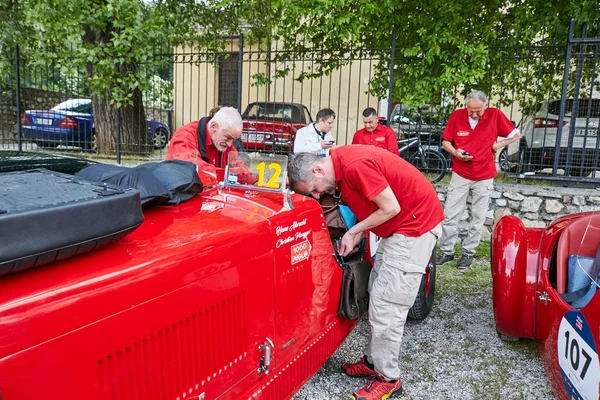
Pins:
x,y
208,143
470,137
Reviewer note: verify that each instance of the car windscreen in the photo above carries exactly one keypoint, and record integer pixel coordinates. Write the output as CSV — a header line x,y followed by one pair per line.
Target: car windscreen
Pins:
x,y
273,112
586,108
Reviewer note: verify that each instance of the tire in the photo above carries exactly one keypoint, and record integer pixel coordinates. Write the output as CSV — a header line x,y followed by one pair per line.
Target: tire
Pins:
x,y
424,300
91,143
45,145
525,161
503,162
432,163
506,338
160,139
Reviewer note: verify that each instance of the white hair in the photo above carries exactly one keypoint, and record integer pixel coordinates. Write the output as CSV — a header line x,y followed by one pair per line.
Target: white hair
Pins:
x,y
228,118
478,95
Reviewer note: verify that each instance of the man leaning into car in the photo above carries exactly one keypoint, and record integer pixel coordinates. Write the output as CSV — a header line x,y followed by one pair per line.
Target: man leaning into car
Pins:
x,y
208,143
470,137
395,201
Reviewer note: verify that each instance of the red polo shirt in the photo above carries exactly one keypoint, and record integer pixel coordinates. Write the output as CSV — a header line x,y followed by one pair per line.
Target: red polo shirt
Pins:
x,y
382,136
477,142
363,172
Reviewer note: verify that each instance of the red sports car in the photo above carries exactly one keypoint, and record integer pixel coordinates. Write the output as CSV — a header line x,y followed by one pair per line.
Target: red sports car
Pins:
x,y
271,126
545,288
232,294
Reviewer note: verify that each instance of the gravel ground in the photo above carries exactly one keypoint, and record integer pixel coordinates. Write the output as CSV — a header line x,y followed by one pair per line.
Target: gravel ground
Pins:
x,y
453,354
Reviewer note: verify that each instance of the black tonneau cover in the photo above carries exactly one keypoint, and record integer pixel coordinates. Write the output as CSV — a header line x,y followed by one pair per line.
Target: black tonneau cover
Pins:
x,y
47,216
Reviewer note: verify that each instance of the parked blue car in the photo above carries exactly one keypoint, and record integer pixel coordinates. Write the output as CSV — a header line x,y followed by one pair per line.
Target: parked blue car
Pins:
x,y
71,123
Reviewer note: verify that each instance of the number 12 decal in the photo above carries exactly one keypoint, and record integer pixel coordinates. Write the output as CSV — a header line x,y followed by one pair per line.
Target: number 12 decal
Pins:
x,y
271,183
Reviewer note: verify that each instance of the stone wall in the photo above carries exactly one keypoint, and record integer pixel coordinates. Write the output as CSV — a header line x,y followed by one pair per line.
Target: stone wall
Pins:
x,y
535,205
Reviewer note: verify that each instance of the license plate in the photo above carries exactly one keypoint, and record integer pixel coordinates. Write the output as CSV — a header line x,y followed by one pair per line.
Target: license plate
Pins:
x,y
43,121
589,132
250,137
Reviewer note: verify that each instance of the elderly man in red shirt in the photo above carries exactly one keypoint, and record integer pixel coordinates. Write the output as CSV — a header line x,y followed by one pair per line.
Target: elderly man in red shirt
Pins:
x,y
376,134
471,139
395,201
208,143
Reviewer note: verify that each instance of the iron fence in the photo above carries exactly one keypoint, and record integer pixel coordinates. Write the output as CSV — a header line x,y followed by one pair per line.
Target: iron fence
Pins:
x,y
547,88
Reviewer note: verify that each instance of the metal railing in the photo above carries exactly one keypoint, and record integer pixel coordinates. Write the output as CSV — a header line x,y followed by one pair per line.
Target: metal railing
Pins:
x,y
547,88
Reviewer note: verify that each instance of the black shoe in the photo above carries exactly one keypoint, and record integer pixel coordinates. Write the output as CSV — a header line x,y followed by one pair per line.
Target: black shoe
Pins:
x,y
464,262
444,258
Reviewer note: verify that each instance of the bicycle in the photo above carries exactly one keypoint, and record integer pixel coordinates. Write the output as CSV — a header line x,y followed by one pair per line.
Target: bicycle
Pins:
x,y
431,163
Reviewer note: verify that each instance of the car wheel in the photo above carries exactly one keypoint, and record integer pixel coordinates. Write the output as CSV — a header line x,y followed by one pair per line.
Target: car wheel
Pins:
x,y
45,144
525,161
424,301
503,162
91,143
160,138
506,338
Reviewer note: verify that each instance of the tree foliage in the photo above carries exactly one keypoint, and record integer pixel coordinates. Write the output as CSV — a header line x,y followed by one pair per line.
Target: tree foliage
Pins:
x,y
441,45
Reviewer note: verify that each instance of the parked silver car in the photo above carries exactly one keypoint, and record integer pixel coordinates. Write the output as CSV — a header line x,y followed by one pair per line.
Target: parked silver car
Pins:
x,y
536,150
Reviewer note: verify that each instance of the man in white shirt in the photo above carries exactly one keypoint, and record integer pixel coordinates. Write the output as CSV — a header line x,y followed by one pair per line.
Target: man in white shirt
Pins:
x,y
316,138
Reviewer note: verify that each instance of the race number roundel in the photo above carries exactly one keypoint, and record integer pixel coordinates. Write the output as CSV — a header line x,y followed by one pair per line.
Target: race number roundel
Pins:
x,y
578,357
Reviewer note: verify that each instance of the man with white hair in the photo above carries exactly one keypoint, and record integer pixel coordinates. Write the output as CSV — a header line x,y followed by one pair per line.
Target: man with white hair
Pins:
x,y
208,143
471,138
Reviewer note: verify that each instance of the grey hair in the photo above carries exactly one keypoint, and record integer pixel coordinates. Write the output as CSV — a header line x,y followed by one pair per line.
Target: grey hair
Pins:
x,y
478,95
300,168
228,118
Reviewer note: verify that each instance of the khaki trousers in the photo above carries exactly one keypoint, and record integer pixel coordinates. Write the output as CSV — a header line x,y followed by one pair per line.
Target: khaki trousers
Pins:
x,y
400,263
454,208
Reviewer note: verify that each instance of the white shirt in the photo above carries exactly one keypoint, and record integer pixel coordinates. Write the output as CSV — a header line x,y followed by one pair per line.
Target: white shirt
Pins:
x,y
308,140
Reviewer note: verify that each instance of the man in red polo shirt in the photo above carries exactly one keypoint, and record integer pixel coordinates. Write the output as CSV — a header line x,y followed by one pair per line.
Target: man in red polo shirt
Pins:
x,y
208,143
471,138
376,134
395,201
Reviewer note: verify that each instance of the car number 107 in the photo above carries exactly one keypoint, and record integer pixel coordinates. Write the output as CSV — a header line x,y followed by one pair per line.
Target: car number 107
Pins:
x,y
578,357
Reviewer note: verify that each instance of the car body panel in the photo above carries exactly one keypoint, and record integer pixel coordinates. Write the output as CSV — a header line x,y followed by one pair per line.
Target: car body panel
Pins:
x,y
272,126
537,147
180,307
569,338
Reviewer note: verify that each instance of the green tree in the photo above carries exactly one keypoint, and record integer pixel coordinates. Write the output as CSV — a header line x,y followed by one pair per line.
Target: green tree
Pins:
x,y
442,45
114,41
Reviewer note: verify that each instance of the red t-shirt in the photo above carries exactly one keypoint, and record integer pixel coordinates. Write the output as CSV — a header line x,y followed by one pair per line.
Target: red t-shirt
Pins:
x,y
477,142
363,172
382,136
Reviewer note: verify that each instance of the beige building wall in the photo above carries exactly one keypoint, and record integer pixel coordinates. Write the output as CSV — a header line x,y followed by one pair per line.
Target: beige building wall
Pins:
x,y
344,90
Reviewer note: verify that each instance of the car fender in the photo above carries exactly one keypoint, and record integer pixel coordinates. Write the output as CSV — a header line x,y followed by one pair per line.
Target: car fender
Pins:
x,y
514,265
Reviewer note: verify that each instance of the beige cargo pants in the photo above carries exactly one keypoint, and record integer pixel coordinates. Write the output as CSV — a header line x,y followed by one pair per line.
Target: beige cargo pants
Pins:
x,y
454,208
400,263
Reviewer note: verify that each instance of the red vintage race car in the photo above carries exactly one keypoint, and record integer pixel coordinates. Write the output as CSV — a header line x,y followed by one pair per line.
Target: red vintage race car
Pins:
x,y
232,294
545,288
271,126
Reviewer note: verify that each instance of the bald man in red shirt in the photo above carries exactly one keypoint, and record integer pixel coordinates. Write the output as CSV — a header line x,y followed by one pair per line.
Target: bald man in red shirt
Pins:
x,y
376,134
395,201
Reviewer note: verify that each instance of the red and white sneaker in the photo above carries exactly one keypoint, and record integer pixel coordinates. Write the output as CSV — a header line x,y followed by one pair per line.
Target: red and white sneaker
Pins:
x,y
379,389
360,368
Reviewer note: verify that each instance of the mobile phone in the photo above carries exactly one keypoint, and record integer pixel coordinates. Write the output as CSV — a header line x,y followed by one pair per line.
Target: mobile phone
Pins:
x,y
465,153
